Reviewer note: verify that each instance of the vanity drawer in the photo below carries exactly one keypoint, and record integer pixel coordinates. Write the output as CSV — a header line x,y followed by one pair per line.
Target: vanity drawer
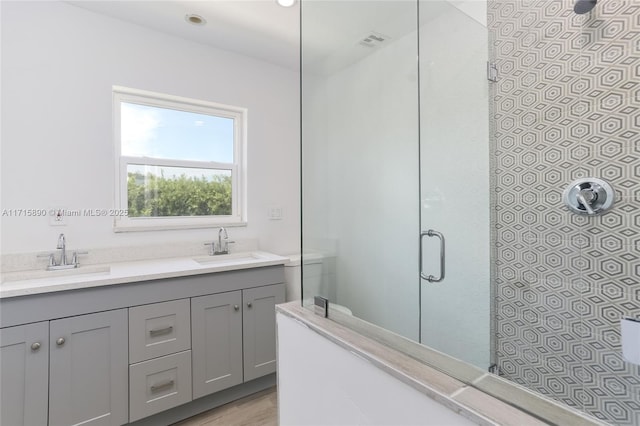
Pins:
x,y
159,384
159,329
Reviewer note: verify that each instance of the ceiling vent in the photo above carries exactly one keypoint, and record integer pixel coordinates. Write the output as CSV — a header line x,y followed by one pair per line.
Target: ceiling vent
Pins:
x,y
374,40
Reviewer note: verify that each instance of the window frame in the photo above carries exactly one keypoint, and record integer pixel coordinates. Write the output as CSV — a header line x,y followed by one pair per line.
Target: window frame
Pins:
x,y
237,168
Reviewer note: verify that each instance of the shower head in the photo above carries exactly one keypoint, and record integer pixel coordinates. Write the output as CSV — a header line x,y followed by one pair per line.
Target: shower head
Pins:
x,y
584,6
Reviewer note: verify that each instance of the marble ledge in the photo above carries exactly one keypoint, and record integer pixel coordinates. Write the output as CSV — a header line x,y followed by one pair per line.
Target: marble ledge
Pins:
x,y
479,396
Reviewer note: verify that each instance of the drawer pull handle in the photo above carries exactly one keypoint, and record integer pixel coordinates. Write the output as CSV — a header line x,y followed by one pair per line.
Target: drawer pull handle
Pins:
x,y
60,341
236,307
163,385
160,331
249,304
35,346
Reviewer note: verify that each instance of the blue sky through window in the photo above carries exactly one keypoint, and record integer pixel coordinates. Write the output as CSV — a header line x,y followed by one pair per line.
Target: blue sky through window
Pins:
x,y
148,131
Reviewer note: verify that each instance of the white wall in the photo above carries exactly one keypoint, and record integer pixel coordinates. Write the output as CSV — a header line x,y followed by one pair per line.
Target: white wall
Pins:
x,y
59,64
320,383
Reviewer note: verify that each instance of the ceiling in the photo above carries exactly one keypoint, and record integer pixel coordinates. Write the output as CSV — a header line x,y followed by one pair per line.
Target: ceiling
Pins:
x,y
332,30
258,28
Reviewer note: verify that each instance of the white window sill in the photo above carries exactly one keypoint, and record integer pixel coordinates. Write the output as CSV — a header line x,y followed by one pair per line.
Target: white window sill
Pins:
x,y
120,228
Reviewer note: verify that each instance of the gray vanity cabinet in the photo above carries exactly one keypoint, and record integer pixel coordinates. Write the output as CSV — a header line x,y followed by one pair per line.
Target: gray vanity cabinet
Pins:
x,y
88,360
234,337
65,357
216,324
24,374
259,329
71,370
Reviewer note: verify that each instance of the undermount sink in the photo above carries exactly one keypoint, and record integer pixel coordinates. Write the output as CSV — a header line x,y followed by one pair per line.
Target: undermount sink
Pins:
x,y
229,258
37,274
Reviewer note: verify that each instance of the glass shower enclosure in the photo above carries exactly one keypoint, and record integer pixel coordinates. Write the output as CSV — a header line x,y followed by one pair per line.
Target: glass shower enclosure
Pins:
x,y
395,164
438,139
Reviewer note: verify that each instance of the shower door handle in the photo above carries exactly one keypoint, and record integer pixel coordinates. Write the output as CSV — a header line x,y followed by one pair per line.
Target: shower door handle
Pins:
x,y
431,278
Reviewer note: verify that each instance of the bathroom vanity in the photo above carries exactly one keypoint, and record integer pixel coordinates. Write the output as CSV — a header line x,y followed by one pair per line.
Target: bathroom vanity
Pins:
x,y
110,351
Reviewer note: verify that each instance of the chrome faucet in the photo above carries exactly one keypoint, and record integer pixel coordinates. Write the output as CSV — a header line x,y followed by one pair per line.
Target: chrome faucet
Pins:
x,y
52,265
62,245
223,248
222,245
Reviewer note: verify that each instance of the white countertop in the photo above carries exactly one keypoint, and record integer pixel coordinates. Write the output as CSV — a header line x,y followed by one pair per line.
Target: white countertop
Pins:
x,y
25,283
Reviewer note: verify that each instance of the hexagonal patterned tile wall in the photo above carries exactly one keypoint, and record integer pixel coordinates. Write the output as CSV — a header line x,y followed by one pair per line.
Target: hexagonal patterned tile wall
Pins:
x,y
566,106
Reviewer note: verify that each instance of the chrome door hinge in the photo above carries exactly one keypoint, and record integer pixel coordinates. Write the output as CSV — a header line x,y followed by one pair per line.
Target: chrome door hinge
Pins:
x,y
492,72
494,369
321,306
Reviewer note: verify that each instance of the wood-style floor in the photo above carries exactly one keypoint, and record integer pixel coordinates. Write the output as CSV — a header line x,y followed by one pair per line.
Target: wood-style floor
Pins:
x,y
259,409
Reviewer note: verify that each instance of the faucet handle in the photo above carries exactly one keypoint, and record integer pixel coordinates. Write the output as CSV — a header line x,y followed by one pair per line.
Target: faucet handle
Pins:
x,y
52,261
74,257
586,197
212,249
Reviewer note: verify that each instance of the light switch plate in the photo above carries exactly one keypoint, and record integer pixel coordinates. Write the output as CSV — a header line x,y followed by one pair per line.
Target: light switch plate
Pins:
x,y
275,213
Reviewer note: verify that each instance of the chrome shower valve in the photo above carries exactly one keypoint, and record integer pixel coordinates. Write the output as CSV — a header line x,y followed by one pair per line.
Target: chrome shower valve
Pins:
x,y
589,196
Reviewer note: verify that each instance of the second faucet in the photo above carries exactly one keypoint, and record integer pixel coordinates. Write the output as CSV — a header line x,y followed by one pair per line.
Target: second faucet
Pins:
x,y
222,245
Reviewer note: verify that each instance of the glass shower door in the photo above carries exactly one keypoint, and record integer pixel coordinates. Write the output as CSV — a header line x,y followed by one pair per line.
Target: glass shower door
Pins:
x,y
454,180
360,179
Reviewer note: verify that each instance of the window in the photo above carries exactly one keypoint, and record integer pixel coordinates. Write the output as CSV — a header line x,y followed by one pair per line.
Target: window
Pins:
x,y
179,161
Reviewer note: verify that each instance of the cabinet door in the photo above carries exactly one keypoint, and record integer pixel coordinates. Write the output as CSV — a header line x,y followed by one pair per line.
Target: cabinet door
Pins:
x,y
89,370
24,374
259,326
216,326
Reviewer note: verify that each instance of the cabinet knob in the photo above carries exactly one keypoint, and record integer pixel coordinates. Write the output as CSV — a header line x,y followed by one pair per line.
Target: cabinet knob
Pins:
x,y
35,346
60,341
236,307
249,304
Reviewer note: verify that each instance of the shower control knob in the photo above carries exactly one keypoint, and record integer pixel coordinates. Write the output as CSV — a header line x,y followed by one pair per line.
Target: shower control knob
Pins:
x,y
589,196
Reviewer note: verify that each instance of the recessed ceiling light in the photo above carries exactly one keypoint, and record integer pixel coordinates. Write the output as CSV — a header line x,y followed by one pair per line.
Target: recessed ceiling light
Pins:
x,y
194,19
286,3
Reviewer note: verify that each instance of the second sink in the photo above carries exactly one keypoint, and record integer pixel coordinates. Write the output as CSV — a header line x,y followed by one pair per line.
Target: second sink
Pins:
x,y
229,258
